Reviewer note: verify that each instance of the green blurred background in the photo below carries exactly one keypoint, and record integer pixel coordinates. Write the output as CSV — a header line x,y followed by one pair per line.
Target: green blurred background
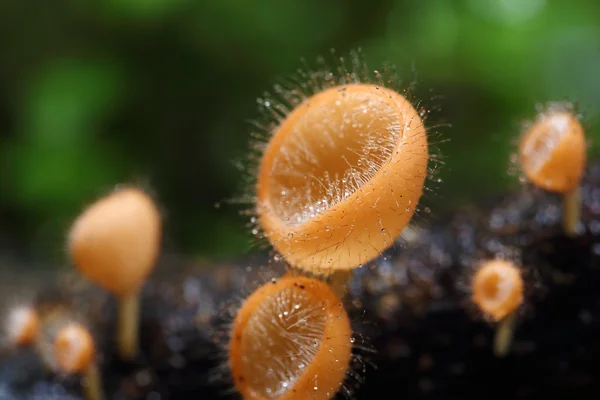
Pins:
x,y
160,92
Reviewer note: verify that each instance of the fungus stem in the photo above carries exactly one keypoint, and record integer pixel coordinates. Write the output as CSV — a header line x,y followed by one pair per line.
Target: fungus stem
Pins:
x,y
504,334
571,211
340,281
91,385
127,331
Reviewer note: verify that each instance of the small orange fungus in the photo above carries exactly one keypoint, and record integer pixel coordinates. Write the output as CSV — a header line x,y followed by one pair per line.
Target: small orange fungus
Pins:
x,y
290,340
74,349
75,353
115,243
498,288
341,177
553,157
23,326
553,151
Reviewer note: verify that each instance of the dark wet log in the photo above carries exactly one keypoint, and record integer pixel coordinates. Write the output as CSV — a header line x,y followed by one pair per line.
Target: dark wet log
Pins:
x,y
412,306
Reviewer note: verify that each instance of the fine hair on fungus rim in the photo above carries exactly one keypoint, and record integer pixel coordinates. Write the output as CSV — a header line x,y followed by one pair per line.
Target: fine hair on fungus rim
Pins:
x,y
291,339
342,169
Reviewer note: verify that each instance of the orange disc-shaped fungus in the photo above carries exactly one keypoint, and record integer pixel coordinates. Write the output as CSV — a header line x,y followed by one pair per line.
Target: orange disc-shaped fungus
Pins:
x,y
341,177
553,151
22,326
498,288
290,340
115,242
74,349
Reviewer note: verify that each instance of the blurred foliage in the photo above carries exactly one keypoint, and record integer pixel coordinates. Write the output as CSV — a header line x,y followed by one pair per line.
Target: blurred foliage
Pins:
x,y
159,92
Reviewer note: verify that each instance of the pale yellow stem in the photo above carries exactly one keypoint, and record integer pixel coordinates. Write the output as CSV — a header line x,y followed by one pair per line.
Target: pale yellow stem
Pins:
x,y
339,282
127,330
571,211
504,334
92,385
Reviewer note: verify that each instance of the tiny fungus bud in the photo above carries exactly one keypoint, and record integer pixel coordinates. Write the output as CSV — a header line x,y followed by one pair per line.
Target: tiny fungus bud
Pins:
x,y
498,292
553,157
290,340
22,326
498,288
74,351
115,243
341,177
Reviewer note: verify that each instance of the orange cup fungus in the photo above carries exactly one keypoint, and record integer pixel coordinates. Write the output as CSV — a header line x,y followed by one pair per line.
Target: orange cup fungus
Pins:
x,y
498,288
553,151
74,349
115,243
341,177
23,326
75,353
553,157
290,340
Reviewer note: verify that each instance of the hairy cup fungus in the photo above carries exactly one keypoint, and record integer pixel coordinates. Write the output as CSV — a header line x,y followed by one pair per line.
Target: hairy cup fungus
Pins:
x,y
498,292
291,339
553,157
22,326
341,176
115,243
74,353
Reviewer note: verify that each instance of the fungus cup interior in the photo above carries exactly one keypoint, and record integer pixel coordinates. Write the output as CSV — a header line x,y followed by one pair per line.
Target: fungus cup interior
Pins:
x,y
341,177
291,339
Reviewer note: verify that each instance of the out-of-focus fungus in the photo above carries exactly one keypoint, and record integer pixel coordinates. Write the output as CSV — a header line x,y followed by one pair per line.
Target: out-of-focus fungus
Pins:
x,y
115,243
553,157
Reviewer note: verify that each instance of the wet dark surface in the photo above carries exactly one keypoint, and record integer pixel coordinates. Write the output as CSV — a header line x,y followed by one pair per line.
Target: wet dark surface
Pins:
x,y
411,306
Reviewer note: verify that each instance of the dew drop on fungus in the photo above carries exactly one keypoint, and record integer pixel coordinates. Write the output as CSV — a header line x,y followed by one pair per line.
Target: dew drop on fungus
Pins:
x,y
345,158
288,336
